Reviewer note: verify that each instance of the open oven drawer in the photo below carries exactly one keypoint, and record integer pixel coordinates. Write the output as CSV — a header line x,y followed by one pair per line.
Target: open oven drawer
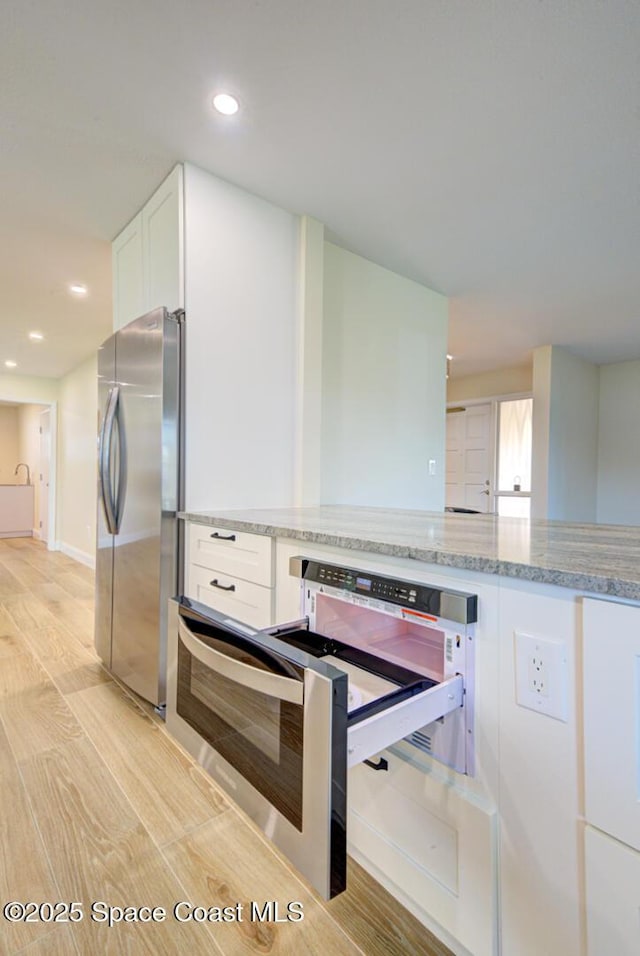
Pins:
x,y
277,717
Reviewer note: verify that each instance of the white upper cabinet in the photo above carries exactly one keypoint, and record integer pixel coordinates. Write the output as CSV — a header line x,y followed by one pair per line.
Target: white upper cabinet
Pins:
x,y
230,259
128,277
162,245
148,261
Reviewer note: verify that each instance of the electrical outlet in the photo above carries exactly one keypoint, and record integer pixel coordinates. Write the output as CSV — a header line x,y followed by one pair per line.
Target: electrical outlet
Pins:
x,y
541,675
538,676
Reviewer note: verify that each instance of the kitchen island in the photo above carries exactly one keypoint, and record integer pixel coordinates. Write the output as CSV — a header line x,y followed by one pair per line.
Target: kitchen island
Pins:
x,y
604,559
539,850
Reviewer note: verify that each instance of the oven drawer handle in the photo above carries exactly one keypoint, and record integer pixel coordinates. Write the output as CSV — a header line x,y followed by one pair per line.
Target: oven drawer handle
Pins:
x,y
222,587
274,685
223,537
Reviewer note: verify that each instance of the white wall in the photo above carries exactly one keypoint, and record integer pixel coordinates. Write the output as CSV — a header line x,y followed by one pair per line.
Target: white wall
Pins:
x,y
308,465
565,436
383,381
241,301
24,388
77,482
9,445
502,381
619,444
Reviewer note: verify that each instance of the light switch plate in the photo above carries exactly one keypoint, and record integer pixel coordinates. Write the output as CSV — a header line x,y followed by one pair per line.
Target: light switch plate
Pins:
x,y
541,675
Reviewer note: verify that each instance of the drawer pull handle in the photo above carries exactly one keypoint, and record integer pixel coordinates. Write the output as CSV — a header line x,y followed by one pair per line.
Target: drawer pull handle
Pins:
x,y
223,537
222,587
382,764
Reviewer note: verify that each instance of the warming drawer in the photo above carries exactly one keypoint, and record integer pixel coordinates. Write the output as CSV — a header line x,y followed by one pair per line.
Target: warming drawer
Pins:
x,y
278,716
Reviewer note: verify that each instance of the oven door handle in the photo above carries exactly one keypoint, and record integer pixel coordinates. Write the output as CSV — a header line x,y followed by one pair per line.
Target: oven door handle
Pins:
x,y
274,685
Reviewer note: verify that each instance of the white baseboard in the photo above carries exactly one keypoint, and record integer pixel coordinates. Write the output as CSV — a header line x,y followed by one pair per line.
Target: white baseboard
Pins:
x,y
82,556
35,533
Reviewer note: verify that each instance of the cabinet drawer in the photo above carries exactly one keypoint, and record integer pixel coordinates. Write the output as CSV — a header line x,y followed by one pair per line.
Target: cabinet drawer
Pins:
x,y
238,553
244,601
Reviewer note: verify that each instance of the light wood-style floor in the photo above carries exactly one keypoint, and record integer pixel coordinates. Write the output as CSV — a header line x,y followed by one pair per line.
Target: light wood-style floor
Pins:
x,y
97,803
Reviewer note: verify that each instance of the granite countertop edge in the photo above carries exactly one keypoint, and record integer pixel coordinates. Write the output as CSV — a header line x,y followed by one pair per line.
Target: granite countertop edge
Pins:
x,y
613,586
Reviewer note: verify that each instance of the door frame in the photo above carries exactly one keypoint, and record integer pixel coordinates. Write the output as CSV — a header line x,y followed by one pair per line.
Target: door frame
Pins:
x,y
493,401
46,410
52,405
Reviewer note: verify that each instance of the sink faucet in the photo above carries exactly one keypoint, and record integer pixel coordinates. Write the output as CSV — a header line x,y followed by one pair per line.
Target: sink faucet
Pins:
x,y
23,464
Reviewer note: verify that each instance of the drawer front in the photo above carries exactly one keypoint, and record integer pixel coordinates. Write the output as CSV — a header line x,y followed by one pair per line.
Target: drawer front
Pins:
x,y
250,603
269,725
243,555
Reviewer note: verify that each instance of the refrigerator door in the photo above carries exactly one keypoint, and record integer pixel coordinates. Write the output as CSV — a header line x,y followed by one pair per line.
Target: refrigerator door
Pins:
x,y
145,478
104,536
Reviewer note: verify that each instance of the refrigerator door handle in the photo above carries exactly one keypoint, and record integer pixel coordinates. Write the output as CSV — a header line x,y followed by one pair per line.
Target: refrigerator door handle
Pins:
x,y
105,461
121,490
101,487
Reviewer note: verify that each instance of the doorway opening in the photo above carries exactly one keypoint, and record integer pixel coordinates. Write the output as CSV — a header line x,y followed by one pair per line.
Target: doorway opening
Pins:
x,y
27,469
488,456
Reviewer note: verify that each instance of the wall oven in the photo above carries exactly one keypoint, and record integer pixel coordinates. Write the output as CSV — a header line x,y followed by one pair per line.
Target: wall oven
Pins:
x,y
278,716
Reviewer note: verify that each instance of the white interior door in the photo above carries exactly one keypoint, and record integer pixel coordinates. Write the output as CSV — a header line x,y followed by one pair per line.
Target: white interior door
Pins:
x,y
43,474
469,458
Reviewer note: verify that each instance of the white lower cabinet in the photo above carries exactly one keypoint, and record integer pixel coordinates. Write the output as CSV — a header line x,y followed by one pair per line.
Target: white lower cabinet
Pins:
x,y
244,555
613,896
231,572
612,718
246,602
612,776
431,845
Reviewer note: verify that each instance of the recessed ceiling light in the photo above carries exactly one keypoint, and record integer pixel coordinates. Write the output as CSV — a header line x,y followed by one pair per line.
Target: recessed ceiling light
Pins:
x,y
10,363
36,336
78,289
225,103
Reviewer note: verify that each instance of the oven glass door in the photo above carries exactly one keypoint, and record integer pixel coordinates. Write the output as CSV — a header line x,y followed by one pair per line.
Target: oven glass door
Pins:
x,y
247,703
268,721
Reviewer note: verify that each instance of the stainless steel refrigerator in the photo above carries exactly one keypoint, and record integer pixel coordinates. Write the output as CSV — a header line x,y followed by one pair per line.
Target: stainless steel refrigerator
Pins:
x,y
139,495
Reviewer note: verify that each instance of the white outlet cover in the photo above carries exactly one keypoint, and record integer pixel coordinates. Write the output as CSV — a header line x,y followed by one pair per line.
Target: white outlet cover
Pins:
x,y
550,659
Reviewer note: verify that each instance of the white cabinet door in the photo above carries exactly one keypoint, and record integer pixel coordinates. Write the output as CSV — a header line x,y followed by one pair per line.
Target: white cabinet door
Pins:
x,y
163,246
430,846
128,276
245,602
613,896
612,718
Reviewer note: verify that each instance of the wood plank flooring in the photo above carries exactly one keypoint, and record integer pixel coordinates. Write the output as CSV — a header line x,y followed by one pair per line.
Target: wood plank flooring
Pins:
x,y
98,803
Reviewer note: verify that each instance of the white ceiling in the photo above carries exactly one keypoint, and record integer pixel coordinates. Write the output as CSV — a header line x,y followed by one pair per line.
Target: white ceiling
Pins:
x,y
490,150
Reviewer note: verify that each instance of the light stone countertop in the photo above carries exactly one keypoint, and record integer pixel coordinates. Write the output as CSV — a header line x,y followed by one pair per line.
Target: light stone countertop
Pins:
x,y
604,559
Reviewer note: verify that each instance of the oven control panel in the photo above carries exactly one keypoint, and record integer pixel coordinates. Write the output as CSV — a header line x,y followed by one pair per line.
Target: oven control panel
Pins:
x,y
456,606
